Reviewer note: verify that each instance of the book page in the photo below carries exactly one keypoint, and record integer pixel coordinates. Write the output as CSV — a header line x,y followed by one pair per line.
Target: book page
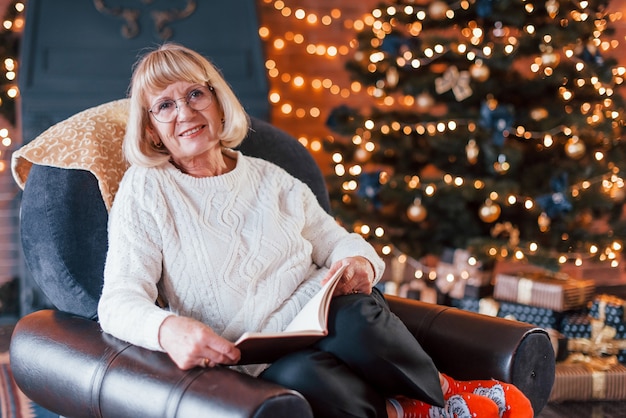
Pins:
x,y
305,329
313,315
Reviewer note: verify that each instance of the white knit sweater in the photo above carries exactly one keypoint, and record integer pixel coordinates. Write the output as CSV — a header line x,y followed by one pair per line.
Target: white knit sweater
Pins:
x,y
243,251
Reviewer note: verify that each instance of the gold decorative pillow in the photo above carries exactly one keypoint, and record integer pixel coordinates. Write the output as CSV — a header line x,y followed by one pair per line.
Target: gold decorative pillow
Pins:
x,y
90,140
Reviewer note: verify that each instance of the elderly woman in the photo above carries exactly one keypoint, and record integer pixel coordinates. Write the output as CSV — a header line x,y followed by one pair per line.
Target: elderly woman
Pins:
x,y
235,244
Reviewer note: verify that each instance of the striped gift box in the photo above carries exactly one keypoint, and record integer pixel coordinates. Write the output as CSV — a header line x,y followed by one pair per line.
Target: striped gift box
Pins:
x,y
558,292
589,380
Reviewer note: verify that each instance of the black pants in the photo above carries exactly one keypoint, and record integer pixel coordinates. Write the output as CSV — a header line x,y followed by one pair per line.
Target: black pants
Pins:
x,y
367,357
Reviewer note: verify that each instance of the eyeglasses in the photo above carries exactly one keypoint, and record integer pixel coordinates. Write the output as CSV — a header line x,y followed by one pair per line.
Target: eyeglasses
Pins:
x,y
199,98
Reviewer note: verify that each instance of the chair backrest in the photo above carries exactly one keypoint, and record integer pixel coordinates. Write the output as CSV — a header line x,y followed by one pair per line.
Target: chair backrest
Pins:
x,y
64,220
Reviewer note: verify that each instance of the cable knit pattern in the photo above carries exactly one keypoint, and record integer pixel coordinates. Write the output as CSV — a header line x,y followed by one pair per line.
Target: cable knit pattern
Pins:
x,y
243,251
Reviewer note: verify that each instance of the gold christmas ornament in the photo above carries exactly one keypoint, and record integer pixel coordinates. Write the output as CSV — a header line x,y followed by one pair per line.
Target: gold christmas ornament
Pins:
x,y
472,150
416,212
489,212
575,148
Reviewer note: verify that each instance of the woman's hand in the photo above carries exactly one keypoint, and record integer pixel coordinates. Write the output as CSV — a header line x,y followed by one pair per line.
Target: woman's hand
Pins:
x,y
357,277
190,343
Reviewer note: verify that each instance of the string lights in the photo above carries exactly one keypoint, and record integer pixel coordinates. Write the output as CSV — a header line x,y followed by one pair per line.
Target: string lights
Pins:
x,y
296,92
427,77
12,27
393,46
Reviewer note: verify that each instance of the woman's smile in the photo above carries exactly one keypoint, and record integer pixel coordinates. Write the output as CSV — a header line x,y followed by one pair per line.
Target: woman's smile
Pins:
x,y
192,132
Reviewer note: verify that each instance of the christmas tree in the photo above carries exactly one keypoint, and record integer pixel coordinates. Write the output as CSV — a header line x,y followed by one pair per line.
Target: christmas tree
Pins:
x,y
496,126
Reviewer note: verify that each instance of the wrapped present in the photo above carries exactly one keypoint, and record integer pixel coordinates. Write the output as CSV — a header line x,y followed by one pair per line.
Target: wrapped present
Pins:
x,y
418,290
576,325
462,259
488,306
584,378
485,306
604,273
608,309
463,278
604,341
620,337
478,285
540,317
602,332
467,289
466,304
461,284
558,292
396,269
400,268
559,344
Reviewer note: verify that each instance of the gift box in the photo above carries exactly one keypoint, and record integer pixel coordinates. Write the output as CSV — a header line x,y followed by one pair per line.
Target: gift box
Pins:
x,y
605,340
462,279
485,306
396,269
463,259
559,344
609,309
605,274
540,317
418,290
558,292
582,378
576,325
466,304
400,268
461,284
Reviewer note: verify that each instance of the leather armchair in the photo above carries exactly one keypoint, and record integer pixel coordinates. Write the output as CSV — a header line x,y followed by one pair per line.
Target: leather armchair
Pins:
x,y
63,361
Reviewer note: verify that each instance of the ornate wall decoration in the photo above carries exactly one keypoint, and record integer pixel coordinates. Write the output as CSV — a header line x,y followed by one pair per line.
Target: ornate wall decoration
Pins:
x,y
161,18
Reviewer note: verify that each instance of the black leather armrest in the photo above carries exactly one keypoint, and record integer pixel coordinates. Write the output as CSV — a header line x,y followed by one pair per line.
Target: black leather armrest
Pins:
x,y
468,345
68,365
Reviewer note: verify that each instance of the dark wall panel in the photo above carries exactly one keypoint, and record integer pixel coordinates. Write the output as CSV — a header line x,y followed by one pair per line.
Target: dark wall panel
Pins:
x,y
75,56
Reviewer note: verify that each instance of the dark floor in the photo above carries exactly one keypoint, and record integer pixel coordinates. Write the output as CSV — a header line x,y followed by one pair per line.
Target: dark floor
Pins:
x,y
564,410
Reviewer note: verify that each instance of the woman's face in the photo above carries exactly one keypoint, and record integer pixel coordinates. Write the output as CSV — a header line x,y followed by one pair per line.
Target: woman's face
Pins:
x,y
192,134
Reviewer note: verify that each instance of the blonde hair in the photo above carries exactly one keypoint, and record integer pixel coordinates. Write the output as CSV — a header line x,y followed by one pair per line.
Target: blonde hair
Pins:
x,y
155,71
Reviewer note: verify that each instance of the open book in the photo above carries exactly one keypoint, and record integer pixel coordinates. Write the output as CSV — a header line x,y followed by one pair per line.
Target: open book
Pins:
x,y
307,327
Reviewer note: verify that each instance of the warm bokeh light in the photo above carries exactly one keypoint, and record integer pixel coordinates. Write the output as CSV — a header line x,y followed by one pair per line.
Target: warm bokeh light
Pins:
x,y
303,99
